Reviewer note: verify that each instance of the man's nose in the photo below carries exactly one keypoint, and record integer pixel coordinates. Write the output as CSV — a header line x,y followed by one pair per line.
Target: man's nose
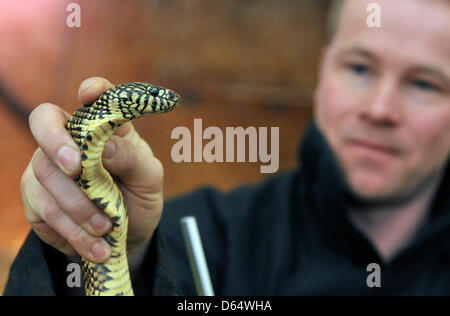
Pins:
x,y
383,106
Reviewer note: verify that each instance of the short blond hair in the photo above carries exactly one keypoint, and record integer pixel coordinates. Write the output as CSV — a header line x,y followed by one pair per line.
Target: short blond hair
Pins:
x,y
334,15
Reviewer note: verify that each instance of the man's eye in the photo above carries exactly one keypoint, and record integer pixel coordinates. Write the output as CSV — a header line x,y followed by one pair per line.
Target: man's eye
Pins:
x,y
359,69
425,85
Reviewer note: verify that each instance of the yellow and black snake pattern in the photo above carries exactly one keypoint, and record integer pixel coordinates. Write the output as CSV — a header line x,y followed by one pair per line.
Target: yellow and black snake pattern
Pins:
x,y
91,126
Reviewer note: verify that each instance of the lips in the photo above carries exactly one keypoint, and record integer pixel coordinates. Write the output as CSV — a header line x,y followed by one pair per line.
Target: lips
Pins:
x,y
374,147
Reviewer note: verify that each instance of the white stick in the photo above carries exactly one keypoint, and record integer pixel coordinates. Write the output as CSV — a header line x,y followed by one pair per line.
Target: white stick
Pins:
x,y
196,256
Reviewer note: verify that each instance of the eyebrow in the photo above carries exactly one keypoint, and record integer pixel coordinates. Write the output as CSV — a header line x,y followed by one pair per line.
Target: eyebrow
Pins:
x,y
427,70
357,51
432,71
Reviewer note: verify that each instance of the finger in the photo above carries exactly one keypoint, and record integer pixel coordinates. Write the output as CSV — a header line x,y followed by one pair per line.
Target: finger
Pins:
x,y
91,88
56,228
69,196
131,159
26,183
47,123
45,232
52,238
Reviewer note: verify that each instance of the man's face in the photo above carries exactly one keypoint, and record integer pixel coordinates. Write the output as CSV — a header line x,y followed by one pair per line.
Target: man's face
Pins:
x,y
383,99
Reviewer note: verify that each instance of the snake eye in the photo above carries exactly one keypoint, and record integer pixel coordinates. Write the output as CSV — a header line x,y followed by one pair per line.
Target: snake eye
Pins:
x,y
154,92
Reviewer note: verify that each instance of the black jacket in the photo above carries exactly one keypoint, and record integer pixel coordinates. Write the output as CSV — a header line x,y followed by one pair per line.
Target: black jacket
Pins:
x,y
289,235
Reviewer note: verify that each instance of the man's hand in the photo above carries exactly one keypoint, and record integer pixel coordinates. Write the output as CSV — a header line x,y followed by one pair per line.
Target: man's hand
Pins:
x,y
60,213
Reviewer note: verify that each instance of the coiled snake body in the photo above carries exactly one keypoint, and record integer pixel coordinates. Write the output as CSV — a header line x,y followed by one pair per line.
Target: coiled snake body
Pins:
x,y
91,126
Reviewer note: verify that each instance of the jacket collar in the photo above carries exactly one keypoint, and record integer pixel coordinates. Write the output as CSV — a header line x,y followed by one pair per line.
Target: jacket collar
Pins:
x,y
326,191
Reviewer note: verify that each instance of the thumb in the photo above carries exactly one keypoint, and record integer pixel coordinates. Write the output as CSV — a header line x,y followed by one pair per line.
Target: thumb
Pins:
x,y
130,158
140,174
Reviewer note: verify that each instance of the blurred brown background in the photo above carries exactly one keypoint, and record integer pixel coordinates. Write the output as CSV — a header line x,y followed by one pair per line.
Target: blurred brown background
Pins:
x,y
235,63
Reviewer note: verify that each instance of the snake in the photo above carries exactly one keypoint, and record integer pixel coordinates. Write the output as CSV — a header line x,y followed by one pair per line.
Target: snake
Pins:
x,y
91,126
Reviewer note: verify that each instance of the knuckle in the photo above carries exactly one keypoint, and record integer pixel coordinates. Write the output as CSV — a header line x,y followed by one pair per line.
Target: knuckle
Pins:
x,y
32,117
30,214
63,246
25,180
46,123
80,240
79,208
28,191
37,113
52,214
129,161
77,236
52,238
43,230
43,168
158,169
128,158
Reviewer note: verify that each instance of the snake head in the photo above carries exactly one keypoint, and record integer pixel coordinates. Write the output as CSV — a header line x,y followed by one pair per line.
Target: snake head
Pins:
x,y
137,99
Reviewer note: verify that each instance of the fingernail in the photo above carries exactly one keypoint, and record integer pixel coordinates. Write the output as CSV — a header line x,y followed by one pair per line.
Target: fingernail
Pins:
x,y
109,150
87,83
100,223
68,158
99,250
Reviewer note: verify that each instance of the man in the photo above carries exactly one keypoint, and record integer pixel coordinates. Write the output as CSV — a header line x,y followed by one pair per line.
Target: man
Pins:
x,y
372,186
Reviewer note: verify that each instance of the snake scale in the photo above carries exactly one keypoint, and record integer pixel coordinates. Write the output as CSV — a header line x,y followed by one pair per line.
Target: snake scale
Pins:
x,y
91,126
